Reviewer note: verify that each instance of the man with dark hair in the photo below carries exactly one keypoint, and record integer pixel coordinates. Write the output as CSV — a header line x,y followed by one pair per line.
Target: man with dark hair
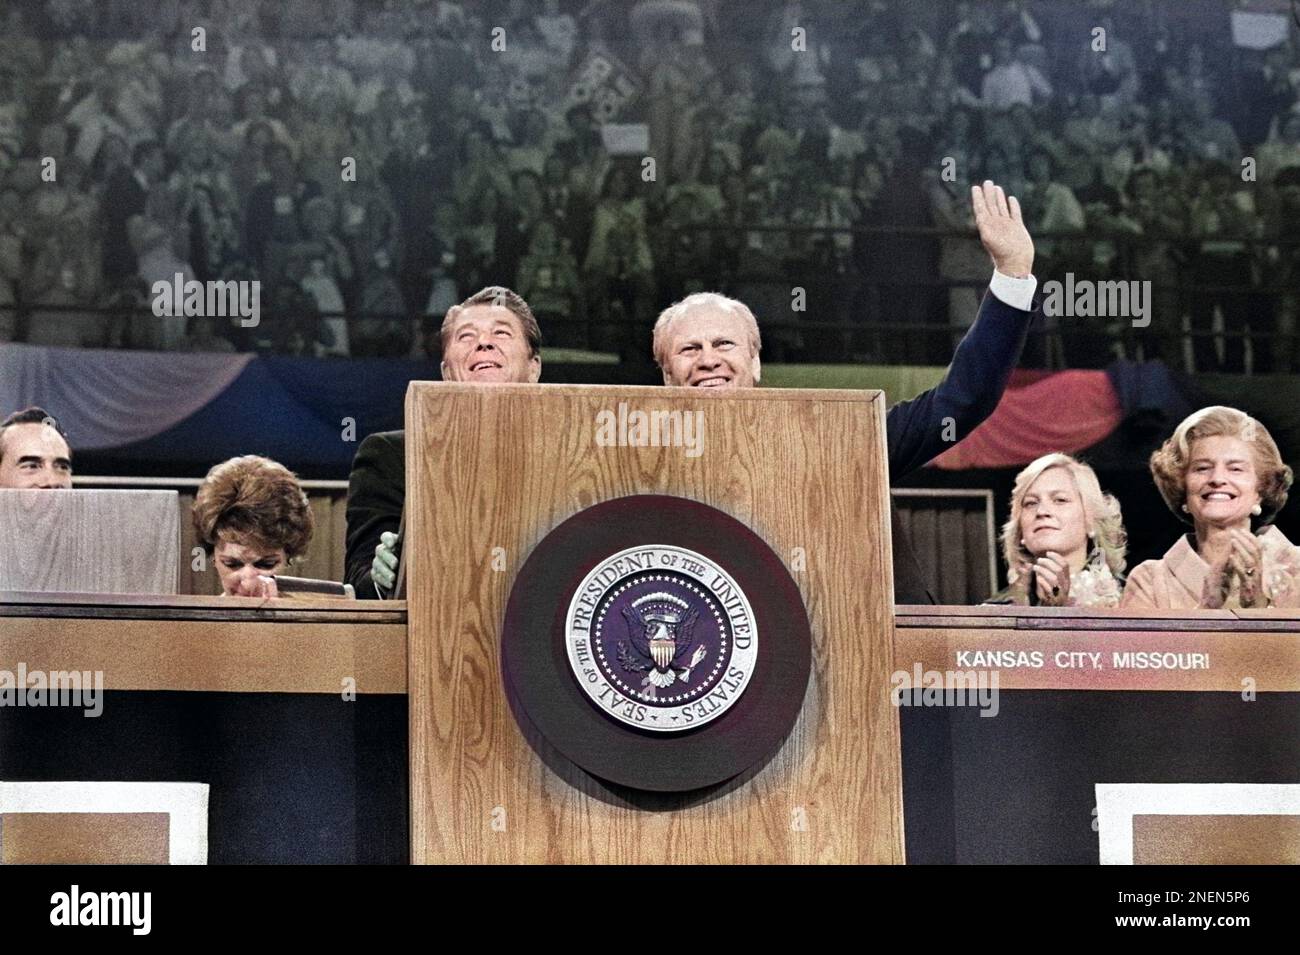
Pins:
x,y
484,308
34,451
491,337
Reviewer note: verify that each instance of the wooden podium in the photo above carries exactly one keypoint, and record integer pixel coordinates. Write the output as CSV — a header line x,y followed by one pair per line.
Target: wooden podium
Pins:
x,y
490,471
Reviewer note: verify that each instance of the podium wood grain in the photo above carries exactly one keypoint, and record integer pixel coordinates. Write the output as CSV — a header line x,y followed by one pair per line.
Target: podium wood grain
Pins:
x,y
500,467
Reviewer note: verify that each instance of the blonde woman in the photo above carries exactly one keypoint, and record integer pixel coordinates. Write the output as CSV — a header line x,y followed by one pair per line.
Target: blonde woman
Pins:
x,y
1064,542
1222,473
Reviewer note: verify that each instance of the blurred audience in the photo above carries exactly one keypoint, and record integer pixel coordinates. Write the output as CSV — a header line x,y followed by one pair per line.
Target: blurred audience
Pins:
x,y
439,164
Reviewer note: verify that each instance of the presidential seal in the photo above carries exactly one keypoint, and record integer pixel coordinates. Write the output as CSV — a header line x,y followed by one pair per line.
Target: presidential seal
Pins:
x,y
630,647
661,638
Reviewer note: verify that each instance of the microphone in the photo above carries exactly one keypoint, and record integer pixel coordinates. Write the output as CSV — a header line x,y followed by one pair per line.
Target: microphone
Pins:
x,y
307,585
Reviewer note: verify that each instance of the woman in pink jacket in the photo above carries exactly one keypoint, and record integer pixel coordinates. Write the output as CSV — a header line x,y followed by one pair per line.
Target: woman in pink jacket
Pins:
x,y
1221,472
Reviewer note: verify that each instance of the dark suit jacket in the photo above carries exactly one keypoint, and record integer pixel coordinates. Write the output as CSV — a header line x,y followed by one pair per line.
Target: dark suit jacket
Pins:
x,y
376,491
969,392
916,432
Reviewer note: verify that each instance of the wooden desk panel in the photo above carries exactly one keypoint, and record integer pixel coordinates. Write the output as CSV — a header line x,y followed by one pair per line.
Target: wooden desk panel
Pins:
x,y
209,643
307,646
302,648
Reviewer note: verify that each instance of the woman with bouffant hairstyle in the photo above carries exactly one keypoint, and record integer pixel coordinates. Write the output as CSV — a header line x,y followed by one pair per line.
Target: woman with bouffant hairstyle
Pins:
x,y
1064,542
252,517
1222,473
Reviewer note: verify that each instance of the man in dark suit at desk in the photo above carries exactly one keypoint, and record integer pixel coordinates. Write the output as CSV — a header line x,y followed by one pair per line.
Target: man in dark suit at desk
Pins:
x,y
491,337
709,341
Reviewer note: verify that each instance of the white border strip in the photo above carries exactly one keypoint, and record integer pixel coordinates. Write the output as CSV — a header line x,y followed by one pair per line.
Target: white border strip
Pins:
x,y
1118,803
186,805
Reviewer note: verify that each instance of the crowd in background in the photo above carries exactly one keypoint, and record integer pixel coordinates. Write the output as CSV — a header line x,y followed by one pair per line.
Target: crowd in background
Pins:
x,y
502,143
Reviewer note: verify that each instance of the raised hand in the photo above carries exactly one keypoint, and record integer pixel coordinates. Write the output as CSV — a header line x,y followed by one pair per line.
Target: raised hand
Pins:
x,y
1002,230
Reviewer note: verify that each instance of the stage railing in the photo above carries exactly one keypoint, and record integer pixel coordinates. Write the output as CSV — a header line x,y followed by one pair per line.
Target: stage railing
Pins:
x,y
851,310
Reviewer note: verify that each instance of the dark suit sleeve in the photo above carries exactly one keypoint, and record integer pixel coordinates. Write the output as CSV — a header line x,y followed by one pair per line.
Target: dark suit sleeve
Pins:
x,y
968,394
376,492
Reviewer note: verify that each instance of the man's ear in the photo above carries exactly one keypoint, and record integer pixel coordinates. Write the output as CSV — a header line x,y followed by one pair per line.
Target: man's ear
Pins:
x,y
445,377
534,369
756,368
667,380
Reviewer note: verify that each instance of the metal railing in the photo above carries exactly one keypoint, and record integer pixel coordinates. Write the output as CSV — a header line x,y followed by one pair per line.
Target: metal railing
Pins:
x,y
1201,325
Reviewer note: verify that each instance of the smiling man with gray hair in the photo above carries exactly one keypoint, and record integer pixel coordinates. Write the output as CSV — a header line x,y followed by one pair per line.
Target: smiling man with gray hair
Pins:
x,y
711,341
708,341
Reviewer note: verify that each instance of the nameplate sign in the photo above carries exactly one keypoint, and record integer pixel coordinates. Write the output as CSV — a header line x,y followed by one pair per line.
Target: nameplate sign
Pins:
x,y
1229,655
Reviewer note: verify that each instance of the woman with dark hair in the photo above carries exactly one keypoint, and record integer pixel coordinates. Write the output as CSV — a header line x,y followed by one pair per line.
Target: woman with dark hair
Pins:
x,y
251,515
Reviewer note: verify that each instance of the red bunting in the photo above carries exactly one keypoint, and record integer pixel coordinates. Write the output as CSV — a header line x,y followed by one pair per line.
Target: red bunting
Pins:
x,y
1039,414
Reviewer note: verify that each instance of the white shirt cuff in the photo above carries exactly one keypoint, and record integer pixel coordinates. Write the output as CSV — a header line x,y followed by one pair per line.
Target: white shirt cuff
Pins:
x,y
1018,293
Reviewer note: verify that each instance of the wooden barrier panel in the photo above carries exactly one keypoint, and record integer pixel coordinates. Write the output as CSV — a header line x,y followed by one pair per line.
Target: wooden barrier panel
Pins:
x,y
197,573
949,528
953,538
116,542
245,696
212,644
